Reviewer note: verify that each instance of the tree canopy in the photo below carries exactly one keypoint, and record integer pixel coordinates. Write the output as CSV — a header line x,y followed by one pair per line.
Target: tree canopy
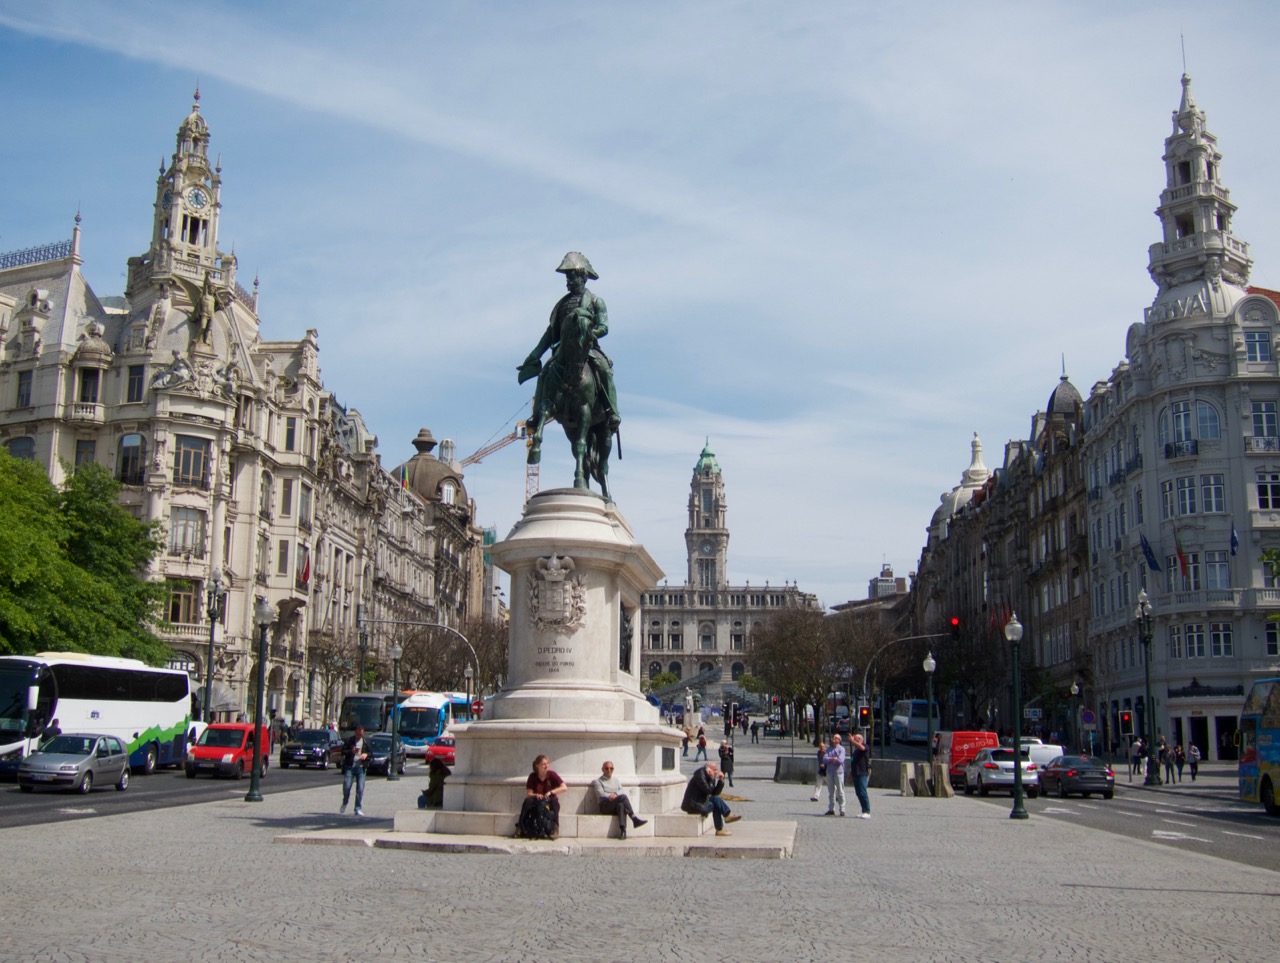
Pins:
x,y
72,567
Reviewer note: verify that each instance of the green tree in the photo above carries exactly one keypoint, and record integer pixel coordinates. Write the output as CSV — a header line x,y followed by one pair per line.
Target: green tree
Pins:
x,y
72,565
663,680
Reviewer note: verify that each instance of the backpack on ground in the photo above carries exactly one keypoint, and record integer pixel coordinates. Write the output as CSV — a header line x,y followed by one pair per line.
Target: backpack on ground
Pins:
x,y
538,821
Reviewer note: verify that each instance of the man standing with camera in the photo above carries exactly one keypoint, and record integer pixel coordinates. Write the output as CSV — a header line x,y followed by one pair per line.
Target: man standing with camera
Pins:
x,y
355,755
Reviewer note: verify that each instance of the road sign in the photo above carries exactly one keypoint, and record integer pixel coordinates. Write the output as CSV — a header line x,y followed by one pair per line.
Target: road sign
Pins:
x,y
1032,713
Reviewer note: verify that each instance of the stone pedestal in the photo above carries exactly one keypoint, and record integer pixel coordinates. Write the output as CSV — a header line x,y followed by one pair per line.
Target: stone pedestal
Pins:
x,y
572,688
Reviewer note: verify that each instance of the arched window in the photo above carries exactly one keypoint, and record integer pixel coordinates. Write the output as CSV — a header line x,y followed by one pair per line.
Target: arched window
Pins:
x,y
655,669
131,460
447,493
738,671
705,667
24,448
1207,421
676,669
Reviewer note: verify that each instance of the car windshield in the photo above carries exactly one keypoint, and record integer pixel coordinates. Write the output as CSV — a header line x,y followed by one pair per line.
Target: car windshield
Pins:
x,y
313,737
69,745
382,743
222,738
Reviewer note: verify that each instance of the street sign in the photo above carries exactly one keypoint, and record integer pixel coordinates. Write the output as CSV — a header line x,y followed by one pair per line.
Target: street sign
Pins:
x,y
477,707
1031,713
1088,719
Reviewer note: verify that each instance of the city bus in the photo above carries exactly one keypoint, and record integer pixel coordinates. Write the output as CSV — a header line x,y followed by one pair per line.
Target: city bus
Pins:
x,y
1259,740
911,720
369,709
148,709
426,716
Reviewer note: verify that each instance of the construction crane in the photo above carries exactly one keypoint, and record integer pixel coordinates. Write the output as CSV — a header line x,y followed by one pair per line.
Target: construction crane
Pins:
x,y
532,474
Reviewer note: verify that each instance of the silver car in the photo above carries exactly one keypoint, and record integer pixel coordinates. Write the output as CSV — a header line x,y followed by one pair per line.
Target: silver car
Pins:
x,y
993,769
76,760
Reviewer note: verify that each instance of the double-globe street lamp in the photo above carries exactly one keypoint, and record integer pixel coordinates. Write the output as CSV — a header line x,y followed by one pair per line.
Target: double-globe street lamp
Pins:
x,y
264,614
1143,614
1013,633
396,652
216,600
929,665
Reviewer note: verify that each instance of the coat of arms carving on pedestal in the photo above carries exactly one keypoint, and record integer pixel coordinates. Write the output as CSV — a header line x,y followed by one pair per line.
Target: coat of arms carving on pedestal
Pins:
x,y
557,596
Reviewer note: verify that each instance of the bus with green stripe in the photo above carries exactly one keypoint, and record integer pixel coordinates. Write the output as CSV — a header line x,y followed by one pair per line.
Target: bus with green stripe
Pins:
x,y
1259,740
148,709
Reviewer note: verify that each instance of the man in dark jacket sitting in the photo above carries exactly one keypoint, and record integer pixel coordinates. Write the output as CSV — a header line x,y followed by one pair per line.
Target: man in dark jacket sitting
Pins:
x,y
702,796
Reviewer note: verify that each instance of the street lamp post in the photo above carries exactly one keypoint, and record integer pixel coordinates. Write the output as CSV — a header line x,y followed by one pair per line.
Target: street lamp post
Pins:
x,y
929,666
1143,615
466,673
1075,717
214,610
396,652
1013,633
264,615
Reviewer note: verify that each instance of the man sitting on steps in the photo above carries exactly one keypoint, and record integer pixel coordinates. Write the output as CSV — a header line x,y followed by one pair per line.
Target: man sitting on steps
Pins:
x,y
613,801
702,796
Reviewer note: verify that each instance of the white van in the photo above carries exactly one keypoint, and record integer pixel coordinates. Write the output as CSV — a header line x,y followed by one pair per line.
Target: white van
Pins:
x,y
1042,754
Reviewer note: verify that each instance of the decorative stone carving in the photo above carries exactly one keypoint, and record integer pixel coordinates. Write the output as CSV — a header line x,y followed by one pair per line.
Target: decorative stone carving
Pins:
x,y
557,597
177,372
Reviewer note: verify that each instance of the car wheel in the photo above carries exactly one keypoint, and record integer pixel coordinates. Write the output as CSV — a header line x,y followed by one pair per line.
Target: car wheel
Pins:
x,y
1268,797
149,763
402,768
324,763
1062,790
27,788
240,769
262,773
1085,795
123,782
191,774
968,790
982,787
1033,793
284,764
86,784
1108,794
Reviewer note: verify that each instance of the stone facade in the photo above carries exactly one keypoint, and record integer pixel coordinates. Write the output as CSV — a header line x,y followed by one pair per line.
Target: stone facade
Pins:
x,y
701,630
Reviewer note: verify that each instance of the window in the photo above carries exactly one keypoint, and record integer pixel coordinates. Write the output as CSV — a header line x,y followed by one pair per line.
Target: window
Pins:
x,y
706,573
447,492
655,669
24,448
89,380
655,641
136,382
1268,490
301,566
1207,419
1273,639
1137,507
1221,644
304,505
266,494
676,669
1193,571
706,501
24,389
286,497
282,557
1166,499
129,461
1195,640
677,642
191,461
1187,496
1211,494
1217,570
1181,412
264,556
1257,345
1175,642
186,532
737,671
1264,419
86,452
290,433
737,642
182,609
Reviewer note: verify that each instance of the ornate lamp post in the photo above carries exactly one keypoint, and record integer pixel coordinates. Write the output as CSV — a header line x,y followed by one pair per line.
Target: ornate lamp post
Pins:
x,y
214,611
1013,632
264,614
1075,717
929,665
1143,614
466,673
396,652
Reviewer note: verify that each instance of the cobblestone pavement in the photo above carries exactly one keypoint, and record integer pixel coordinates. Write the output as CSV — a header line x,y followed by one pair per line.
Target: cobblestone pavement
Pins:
x,y
923,879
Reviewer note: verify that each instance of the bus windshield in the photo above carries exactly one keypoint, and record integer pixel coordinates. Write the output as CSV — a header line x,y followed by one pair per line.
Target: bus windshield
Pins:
x,y
420,722
15,679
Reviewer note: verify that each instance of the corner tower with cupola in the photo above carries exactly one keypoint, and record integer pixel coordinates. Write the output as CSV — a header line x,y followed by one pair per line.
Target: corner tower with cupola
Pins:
x,y
707,537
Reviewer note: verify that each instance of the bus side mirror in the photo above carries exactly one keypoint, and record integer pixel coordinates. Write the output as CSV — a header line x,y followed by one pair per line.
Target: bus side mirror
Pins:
x,y
33,698
1236,740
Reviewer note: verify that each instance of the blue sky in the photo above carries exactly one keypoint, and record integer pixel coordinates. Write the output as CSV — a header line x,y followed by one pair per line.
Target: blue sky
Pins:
x,y
837,238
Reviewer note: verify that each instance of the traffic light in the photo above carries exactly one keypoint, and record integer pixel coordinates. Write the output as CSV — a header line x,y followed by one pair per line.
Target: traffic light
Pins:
x,y
733,713
775,700
1126,723
864,717
955,627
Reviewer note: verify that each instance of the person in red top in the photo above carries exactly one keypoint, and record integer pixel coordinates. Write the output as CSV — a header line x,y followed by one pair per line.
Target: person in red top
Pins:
x,y
543,784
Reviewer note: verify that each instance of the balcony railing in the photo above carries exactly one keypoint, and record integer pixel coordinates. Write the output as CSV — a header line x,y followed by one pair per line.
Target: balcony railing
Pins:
x,y
1262,443
1182,449
86,411
185,480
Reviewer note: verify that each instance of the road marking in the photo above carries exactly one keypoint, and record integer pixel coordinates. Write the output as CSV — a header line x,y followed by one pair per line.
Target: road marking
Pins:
x,y
1134,815
1162,834
1227,832
1057,810
77,812
1174,822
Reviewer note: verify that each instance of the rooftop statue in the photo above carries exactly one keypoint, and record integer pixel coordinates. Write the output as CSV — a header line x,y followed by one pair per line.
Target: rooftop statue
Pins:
x,y
575,386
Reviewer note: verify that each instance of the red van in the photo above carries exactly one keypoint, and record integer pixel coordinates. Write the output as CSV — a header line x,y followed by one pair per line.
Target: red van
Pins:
x,y
955,750
226,749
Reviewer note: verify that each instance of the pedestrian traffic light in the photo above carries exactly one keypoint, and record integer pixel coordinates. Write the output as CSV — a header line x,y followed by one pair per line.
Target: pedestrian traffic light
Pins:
x,y
1126,723
775,700
733,713
955,627
724,711
864,717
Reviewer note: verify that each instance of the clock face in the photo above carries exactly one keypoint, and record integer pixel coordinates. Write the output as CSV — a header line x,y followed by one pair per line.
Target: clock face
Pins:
x,y
707,548
197,198
167,199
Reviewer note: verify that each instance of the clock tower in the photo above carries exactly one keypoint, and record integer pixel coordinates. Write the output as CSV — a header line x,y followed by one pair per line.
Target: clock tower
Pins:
x,y
707,537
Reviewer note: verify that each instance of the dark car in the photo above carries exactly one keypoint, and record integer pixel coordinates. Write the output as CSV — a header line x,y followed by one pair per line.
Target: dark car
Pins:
x,y
380,754
312,747
1083,774
76,760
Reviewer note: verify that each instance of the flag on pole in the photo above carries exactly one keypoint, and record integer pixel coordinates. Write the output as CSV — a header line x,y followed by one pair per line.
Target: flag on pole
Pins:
x,y
404,476
306,570
1149,554
1182,556
1235,539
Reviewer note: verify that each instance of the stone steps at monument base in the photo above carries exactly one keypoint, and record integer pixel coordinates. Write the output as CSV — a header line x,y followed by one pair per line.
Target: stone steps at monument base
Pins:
x,y
572,825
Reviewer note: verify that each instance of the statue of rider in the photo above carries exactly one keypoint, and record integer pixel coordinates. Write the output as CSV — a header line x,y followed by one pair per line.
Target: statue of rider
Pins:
x,y
580,301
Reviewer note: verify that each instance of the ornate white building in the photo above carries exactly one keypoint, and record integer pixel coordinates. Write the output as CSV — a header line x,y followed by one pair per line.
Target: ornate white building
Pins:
x,y
265,485
699,631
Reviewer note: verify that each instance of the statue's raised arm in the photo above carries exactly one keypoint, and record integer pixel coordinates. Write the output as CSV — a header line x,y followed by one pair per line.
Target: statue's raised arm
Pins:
x,y
575,386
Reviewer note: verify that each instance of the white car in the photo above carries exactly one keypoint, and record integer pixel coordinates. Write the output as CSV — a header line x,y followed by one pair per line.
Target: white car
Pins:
x,y
993,769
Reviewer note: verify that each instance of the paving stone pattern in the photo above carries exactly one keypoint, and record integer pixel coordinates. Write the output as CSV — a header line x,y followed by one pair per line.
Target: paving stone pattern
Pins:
x,y
923,879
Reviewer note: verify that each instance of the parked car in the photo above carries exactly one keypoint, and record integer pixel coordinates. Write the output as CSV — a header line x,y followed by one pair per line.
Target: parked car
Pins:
x,y
226,749
955,749
444,749
312,747
380,754
76,760
1042,753
993,769
1082,774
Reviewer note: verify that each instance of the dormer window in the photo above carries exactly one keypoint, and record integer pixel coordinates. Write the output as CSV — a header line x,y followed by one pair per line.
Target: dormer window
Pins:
x,y
1184,172
447,493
